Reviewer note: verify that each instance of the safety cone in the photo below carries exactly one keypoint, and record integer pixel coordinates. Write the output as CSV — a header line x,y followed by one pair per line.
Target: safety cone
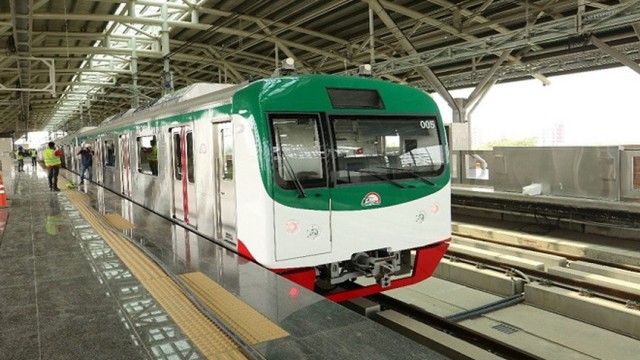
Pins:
x,y
3,195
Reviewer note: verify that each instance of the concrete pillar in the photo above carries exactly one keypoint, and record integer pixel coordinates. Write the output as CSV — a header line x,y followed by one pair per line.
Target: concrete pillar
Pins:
x,y
461,127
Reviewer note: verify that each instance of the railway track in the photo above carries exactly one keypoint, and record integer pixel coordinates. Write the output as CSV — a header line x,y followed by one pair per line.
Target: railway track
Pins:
x,y
592,286
484,343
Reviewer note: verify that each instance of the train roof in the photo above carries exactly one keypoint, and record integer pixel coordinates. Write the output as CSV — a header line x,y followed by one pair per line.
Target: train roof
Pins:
x,y
198,95
186,93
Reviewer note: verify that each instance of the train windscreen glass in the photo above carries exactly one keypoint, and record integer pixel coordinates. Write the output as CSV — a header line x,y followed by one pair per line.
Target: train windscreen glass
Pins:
x,y
374,149
298,151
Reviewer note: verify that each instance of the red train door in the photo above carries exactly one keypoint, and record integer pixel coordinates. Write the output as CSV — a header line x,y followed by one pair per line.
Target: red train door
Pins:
x,y
183,179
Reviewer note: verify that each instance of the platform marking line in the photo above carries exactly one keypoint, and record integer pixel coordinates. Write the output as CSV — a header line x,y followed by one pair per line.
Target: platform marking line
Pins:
x,y
118,222
212,342
243,319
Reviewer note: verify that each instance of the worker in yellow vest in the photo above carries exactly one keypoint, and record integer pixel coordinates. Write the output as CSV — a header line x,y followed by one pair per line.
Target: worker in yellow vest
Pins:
x,y
152,157
33,153
53,162
20,158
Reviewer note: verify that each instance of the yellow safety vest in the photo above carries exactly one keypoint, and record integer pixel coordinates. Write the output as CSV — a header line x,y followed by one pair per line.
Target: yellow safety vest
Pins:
x,y
33,153
153,155
18,155
50,158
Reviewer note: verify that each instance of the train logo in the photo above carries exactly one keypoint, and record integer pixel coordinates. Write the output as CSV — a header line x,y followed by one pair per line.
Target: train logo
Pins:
x,y
371,199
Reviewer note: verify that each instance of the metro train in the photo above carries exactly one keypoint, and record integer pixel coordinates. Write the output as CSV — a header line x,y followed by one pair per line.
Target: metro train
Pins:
x,y
324,179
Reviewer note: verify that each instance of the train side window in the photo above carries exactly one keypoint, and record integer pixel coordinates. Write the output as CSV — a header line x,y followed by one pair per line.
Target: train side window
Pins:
x,y
110,153
177,168
227,153
147,155
190,160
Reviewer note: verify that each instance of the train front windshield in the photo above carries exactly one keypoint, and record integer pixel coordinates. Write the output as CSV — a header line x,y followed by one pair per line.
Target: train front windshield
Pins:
x,y
370,149
365,149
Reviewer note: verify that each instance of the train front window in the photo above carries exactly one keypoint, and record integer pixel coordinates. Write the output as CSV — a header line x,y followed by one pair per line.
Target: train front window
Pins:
x,y
297,151
386,148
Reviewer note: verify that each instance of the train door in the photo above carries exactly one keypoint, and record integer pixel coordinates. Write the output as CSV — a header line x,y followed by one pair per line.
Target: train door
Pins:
x,y
184,187
99,162
302,202
125,170
225,201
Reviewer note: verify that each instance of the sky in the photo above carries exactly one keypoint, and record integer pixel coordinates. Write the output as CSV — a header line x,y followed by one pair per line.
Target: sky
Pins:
x,y
594,108
35,139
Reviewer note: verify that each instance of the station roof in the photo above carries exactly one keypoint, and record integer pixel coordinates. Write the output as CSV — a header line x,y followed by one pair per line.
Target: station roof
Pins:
x,y
72,63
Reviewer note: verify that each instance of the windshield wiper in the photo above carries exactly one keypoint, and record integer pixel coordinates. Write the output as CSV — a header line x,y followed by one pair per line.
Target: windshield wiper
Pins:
x,y
380,176
292,174
411,173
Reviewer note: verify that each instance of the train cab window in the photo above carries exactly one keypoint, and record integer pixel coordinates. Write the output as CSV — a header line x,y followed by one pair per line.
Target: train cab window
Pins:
x,y
110,153
386,148
177,156
147,155
298,151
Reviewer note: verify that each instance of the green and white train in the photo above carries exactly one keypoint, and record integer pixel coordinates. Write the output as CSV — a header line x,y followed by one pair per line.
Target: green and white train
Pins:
x,y
322,178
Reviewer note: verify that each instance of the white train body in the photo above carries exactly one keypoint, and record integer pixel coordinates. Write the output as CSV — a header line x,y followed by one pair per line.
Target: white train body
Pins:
x,y
304,183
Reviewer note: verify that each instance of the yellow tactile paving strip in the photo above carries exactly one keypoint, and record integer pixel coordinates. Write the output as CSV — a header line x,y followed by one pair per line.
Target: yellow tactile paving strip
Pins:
x,y
212,342
243,319
118,222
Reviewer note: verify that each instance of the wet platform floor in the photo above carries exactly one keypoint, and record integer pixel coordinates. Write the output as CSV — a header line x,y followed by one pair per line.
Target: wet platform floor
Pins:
x,y
64,294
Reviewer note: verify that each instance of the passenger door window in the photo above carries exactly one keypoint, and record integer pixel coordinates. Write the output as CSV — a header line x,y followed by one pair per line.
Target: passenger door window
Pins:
x,y
145,149
110,153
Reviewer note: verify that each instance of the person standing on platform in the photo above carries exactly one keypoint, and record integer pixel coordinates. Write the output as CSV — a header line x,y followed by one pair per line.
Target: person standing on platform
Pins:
x,y
86,163
52,161
20,158
34,154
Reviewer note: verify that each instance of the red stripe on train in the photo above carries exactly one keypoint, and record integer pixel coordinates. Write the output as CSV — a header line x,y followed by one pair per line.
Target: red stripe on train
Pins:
x,y
426,260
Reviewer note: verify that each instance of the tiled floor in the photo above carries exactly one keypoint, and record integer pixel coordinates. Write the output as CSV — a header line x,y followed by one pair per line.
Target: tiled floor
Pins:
x,y
64,294
56,300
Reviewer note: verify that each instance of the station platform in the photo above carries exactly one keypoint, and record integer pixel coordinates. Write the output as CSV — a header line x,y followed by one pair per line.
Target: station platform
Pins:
x,y
487,192
617,219
77,281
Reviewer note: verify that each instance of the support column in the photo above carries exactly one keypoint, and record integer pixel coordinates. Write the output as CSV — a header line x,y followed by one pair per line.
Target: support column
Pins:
x,y
461,138
461,127
167,76
135,100
371,38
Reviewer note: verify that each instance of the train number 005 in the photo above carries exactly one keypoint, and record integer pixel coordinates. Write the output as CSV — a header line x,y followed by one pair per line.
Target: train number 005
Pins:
x,y
428,124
